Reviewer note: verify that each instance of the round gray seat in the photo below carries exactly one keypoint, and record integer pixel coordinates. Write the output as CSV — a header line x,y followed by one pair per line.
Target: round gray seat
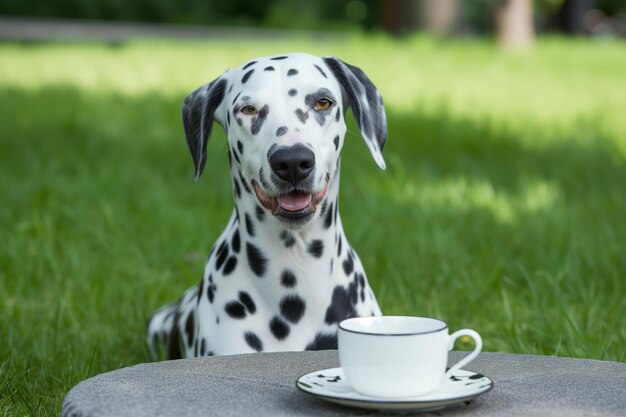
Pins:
x,y
263,384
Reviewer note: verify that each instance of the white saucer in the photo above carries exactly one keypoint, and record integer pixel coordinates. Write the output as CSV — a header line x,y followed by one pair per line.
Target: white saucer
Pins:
x,y
330,385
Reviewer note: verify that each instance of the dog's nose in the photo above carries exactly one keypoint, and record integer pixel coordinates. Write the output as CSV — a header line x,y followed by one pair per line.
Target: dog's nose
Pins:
x,y
292,163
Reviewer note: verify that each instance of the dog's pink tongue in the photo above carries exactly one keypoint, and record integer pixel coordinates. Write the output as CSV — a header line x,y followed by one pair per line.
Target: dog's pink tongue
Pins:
x,y
294,201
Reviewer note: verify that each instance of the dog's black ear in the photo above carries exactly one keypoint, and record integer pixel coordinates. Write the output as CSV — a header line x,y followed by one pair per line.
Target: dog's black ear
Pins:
x,y
367,105
199,111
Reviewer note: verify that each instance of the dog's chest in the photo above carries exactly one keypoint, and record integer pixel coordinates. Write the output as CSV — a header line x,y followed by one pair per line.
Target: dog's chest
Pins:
x,y
290,300
265,315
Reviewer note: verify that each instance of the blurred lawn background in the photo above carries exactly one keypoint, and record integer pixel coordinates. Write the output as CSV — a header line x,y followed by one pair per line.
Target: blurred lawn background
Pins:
x,y
502,207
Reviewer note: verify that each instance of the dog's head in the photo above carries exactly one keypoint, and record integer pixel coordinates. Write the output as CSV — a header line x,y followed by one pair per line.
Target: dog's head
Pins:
x,y
284,117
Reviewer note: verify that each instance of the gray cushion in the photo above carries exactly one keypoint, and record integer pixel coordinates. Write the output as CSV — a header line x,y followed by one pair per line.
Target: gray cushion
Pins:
x,y
263,384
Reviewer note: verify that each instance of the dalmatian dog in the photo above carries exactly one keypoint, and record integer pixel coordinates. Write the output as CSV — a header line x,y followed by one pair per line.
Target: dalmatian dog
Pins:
x,y
282,275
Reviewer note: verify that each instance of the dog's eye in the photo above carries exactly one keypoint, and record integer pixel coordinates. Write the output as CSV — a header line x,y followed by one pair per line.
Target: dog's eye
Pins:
x,y
323,104
248,110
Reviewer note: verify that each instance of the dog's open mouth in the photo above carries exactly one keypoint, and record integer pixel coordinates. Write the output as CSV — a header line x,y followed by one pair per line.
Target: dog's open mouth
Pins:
x,y
293,205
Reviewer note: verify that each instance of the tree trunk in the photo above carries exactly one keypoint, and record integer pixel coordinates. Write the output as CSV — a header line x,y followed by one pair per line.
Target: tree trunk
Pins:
x,y
407,16
514,24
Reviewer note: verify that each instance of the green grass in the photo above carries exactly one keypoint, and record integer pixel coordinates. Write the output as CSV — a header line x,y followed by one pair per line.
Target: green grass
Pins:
x,y
502,208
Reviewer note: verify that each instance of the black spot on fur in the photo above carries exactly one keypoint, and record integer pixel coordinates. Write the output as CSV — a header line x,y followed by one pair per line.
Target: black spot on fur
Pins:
x,y
249,225
328,217
200,291
324,207
249,64
302,115
260,214
292,308
293,92
253,341
353,293
230,266
292,72
258,262
320,70
348,264
233,153
173,342
316,248
279,58
235,309
259,119
235,99
240,147
279,328
270,68
237,188
336,142
235,243
288,279
288,238
323,341
341,306
203,347
338,114
247,301
281,131
211,289
222,254
245,183
189,328
239,121
360,279
227,118
211,293
246,76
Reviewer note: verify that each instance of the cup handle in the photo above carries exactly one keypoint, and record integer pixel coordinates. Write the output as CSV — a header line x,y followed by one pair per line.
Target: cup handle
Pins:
x,y
479,345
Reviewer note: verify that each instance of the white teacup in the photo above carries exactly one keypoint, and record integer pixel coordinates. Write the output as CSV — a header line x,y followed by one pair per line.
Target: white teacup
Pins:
x,y
394,356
